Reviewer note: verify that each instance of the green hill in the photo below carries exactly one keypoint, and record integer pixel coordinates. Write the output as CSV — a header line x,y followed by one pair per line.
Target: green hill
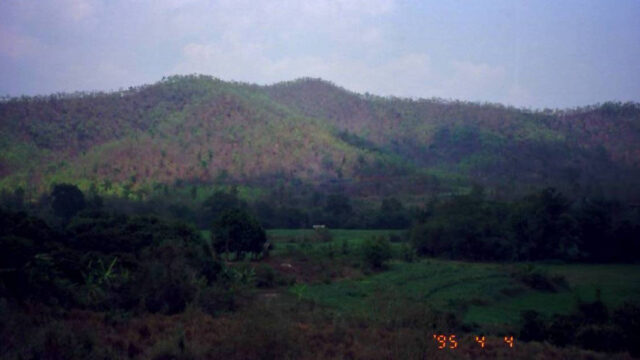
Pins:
x,y
201,130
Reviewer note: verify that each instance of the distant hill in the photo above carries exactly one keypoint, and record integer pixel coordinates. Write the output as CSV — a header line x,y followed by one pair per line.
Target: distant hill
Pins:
x,y
200,130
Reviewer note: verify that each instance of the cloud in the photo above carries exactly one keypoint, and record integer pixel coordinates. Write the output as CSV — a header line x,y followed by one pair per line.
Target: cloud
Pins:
x,y
271,41
384,47
79,9
16,45
476,81
341,7
404,75
341,41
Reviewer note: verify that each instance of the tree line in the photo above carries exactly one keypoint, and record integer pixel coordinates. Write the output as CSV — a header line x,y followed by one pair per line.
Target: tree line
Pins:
x,y
544,225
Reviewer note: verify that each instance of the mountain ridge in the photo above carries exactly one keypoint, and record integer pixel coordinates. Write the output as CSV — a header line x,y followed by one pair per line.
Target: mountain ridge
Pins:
x,y
203,130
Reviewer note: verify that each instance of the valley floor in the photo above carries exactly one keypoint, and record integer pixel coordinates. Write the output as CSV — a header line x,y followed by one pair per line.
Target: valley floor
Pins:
x,y
314,300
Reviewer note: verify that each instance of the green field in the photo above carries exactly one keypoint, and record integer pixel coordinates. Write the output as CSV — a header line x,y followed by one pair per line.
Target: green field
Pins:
x,y
616,284
302,240
338,234
288,240
481,294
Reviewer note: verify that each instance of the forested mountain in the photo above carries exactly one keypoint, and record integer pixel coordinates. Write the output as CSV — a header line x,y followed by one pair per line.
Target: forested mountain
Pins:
x,y
200,130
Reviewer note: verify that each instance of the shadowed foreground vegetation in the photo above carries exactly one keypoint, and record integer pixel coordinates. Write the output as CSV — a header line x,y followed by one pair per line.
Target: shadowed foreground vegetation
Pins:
x,y
81,278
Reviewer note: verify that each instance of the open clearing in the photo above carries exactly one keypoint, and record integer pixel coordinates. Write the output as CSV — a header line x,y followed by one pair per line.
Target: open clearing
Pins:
x,y
481,294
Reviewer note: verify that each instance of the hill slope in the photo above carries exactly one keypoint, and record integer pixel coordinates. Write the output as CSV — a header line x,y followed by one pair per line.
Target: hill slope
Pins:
x,y
202,130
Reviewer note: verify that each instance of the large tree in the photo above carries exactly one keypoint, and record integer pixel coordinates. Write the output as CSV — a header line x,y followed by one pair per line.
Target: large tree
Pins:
x,y
67,200
237,231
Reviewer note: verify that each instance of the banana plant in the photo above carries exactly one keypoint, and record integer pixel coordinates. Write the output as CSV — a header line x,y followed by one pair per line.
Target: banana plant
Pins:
x,y
98,276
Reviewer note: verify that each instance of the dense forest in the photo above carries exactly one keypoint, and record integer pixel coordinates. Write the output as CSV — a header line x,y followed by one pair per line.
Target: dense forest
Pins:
x,y
202,131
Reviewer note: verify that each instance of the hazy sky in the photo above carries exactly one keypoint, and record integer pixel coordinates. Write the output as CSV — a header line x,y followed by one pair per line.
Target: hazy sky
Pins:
x,y
525,53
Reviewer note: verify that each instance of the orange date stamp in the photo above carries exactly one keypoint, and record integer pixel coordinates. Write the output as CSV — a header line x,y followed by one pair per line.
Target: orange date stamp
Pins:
x,y
451,342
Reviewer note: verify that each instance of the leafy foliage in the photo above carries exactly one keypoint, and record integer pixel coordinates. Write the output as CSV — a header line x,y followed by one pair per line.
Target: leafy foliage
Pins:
x,y
541,226
67,200
376,251
588,327
105,261
238,232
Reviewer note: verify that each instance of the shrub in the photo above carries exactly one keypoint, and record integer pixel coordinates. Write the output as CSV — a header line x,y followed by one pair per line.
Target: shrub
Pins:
x,y
561,331
627,318
533,327
173,348
376,251
593,312
168,295
407,253
428,239
538,279
606,338
589,327
214,300
261,333
345,247
56,340
265,276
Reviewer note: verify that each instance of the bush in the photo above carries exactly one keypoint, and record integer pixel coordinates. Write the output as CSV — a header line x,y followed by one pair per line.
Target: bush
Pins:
x,y
627,318
56,340
165,291
429,239
593,312
562,330
214,300
533,327
376,251
344,248
173,348
605,338
407,253
589,327
261,334
265,276
538,279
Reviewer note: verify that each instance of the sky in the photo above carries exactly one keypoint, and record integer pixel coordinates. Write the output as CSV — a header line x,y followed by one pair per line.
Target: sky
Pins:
x,y
535,54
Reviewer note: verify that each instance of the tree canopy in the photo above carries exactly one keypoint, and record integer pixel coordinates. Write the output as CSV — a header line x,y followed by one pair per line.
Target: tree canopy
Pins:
x,y
237,231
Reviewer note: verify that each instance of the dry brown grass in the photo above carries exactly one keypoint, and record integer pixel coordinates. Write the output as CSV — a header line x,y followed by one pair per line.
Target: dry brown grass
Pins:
x,y
286,330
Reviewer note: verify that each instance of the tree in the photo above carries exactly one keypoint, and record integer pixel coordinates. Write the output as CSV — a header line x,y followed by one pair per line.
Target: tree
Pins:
x,y
376,251
13,201
392,215
338,208
67,200
596,230
544,227
220,201
237,231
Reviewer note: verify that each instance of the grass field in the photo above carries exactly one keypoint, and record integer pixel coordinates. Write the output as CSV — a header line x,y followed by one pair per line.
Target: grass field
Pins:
x,y
302,240
479,293
484,294
347,242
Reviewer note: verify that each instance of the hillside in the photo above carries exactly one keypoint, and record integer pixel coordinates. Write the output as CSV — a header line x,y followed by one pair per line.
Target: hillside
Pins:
x,y
201,130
